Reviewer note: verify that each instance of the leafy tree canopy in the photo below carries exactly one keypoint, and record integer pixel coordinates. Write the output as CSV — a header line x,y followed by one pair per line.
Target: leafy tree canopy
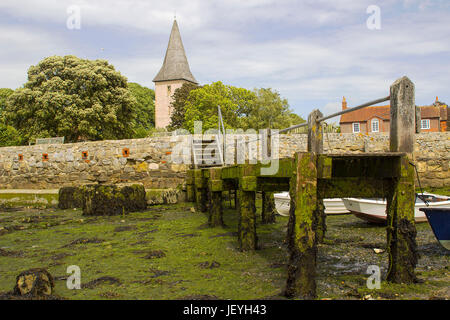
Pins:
x,y
8,136
72,97
202,103
4,94
258,109
269,110
145,109
178,105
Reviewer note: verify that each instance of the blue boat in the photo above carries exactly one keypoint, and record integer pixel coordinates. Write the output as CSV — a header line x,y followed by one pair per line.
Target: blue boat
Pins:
x,y
439,219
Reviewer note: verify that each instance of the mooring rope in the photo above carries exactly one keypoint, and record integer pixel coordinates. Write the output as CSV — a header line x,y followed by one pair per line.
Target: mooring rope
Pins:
x,y
420,186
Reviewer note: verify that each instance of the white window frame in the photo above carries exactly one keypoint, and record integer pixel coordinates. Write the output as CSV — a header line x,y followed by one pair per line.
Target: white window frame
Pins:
x,y
372,124
427,122
359,127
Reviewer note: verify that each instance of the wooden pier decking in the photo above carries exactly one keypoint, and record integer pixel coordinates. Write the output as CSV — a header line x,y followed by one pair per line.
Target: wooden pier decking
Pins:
x,y
312,176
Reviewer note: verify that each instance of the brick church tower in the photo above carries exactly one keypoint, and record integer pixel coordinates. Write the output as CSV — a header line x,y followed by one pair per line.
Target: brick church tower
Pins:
x,y
174,72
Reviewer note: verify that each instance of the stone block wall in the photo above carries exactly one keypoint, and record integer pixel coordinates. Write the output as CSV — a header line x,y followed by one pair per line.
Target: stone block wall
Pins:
x,y
149,160
114,161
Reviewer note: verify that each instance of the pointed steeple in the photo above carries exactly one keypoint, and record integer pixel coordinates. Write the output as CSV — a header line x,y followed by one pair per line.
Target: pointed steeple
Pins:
x,y
175,66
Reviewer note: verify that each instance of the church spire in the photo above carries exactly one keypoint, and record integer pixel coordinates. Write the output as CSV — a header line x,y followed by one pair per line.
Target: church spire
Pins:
x,y
175,66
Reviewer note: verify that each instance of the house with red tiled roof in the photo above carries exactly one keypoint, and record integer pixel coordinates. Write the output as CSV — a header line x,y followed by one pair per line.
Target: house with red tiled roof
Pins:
x,y
434,118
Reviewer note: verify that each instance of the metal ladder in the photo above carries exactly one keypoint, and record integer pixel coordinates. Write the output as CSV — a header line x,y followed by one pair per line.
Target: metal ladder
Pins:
x,y
207,152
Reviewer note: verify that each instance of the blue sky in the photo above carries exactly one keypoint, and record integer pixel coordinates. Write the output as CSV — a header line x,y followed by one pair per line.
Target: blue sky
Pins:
x,y
312,52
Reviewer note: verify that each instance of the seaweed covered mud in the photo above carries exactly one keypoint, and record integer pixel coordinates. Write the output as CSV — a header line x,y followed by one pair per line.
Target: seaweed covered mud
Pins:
x,y
172,252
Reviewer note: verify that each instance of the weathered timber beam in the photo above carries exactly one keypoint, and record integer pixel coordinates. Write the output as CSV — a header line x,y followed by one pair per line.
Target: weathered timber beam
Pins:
x,y
248,185
302,242
353,187
190,186
401,229
268,212
201,191
403,115
285,170
247,220
273,186
315,132
215,187
364,167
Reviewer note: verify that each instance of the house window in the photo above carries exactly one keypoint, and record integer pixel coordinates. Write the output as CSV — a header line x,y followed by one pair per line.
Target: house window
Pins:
x,y
425,124
169,90
375,125
356,127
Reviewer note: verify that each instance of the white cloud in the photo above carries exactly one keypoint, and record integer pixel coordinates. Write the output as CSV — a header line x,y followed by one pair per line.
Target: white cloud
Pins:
x,y
312,52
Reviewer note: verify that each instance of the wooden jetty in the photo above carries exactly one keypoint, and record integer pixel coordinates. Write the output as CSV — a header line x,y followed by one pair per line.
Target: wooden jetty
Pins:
x,y
312,176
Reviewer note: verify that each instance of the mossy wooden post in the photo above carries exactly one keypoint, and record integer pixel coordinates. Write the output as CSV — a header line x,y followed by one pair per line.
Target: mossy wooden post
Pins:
x,y
201,196
315,145
190,186
268,208
302,240
401,229
215,186
247,211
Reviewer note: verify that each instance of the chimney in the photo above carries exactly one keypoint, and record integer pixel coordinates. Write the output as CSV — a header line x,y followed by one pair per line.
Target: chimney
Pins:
x,y
344,104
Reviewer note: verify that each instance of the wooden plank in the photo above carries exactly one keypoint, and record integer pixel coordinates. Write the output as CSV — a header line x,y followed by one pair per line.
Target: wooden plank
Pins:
x,y
353,187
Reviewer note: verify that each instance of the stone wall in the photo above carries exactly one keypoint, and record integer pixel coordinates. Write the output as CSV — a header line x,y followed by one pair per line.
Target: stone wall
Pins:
x,y
138,160
148,160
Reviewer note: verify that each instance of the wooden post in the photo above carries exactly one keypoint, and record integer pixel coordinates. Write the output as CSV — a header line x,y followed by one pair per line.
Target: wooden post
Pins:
x,y
401,229
315,145
201,194
403,114
247,213
418,120
190,186
315,132
268,208
302,241
215,186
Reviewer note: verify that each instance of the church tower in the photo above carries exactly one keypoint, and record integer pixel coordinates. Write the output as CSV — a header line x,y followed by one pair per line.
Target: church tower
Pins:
x,y
174,72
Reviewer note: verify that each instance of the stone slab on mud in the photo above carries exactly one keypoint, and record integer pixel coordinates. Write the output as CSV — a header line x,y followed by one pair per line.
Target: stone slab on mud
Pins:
x,y
70,197
108,200
34,283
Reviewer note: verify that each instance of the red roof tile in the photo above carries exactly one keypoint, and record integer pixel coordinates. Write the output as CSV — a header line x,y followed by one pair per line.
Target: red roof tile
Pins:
x,y
361,115
383,112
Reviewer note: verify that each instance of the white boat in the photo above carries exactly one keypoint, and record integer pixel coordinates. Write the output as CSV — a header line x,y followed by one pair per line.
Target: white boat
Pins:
x,y
332,205
374,210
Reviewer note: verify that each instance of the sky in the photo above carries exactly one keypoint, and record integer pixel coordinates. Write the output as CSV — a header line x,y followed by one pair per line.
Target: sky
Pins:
x,y
313,52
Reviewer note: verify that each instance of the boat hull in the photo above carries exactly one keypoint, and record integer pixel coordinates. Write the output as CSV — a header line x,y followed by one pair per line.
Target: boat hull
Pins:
x,y
332,205
439,219
374,211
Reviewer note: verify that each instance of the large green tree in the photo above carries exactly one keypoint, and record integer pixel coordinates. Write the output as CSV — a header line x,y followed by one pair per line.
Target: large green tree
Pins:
x,y
202,103
145,109
72,97
178,105
8,135
258,109
4,94
269,110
